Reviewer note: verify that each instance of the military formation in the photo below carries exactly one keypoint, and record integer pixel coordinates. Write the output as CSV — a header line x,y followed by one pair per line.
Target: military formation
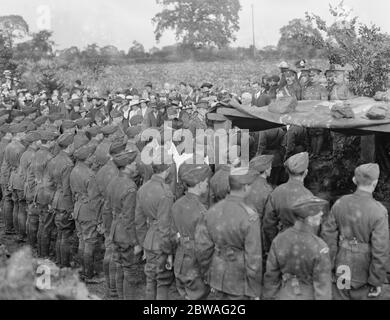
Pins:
x,y
74,184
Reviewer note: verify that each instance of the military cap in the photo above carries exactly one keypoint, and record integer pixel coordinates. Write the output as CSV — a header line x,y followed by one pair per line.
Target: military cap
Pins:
x,y
290,72
124,158
202,104
367,173
149,84
40,120
17,128
175,103
68,124
3,119
333,69
93,131
18,119
7,72
261,163
171,111
65,139
17,113
118,145
206,85
29,125
300,63
309,206
192,174
4,128
84,152
135,120
32,137
56,116
315,70
48,135
109,129
80,139
4,112
133,131
242,175
29,110
283,65
298,163
83,122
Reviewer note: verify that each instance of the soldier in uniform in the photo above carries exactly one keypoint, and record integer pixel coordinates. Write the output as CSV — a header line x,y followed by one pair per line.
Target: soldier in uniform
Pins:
x,y
19,180
86,209
278,214
260,189
12,154
291,88
198,117
357,233
153,209
313,90
271,143
228,242
127,252
186,213
298,265
59,169
103,178
43,192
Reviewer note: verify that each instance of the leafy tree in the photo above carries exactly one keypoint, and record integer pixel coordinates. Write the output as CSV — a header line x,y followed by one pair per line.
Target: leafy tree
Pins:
x,y
5,56
13,27
199,23
91,57
39,47
292,41
136,51
347,42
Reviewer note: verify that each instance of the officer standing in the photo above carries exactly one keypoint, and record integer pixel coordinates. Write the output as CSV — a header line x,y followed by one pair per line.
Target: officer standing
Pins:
x,y
186,213
357,233
228,242
59,169
154,204
298,265
260,189
278,211
127,252
43,191
271,143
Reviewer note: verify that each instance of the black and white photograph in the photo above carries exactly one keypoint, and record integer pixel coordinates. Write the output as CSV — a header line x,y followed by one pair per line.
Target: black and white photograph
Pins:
x,y
193,151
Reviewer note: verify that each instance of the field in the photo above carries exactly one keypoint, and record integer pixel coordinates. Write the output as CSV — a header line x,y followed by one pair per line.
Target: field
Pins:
x,y
230,75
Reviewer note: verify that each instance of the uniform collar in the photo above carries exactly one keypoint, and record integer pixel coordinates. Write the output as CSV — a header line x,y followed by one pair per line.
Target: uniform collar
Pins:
x,y
157,178
362,193
303,227
234,198
192,195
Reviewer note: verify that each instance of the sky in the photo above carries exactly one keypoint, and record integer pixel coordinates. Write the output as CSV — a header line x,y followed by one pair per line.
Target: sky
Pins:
x,y
120,22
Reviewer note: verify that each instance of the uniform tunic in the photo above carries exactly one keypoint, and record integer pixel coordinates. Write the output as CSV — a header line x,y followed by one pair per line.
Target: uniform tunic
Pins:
x,y
228,247
278,214
186,213
357,233
298,266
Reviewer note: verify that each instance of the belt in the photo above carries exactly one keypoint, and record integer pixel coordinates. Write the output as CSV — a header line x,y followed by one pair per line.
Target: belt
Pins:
x,y
354,246
296,282
228,253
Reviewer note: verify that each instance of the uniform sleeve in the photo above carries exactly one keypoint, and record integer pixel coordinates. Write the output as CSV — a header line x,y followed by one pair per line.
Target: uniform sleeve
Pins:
x,y
270,223
330,233
272,276
141,225
204,246
379,252
290,142
322,276
128,212
67,192
253,257
94,199
165,222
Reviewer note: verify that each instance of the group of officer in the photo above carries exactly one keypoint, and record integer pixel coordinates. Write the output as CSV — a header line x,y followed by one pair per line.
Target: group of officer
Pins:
x,y
214,231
